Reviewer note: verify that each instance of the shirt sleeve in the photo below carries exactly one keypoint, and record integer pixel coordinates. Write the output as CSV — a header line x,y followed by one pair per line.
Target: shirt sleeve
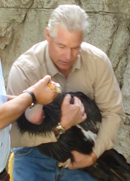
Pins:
x,y
17,81
109,100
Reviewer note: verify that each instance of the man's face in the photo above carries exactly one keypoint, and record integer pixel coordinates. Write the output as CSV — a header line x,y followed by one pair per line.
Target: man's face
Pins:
x,y
64,48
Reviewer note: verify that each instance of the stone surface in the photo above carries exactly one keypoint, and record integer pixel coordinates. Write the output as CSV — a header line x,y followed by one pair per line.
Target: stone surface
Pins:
x,y
122,143
23,23
16,3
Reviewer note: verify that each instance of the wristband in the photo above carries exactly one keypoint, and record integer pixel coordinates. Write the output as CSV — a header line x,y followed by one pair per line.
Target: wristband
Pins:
x,y
32,95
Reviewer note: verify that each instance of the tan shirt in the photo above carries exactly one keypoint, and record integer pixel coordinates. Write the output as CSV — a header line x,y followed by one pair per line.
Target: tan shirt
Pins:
x,y
92,74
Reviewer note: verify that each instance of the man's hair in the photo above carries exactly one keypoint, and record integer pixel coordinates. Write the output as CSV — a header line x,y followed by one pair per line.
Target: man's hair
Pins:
x,y
71,17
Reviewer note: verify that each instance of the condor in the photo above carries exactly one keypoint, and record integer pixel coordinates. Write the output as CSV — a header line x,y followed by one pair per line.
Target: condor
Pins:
x,y
80,138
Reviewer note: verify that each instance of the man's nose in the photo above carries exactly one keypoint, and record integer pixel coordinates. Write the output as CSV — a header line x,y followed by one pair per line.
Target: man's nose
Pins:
x,y
68,54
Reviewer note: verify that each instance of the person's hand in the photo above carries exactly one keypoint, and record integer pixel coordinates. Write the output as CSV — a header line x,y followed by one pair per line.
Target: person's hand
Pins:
x,y
44,95
72,114
82,160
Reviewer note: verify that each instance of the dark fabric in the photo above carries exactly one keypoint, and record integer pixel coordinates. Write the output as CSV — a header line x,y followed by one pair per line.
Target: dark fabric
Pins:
x,y
4,176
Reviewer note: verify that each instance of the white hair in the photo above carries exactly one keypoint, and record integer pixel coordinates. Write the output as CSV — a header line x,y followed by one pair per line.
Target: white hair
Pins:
x,y
71,17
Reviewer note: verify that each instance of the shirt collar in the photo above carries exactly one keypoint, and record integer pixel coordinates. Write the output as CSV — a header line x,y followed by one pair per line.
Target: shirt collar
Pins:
x,y
52,69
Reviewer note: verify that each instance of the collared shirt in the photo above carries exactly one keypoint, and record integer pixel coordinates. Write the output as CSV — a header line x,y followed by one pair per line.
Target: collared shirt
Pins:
x,y
4,133
91,74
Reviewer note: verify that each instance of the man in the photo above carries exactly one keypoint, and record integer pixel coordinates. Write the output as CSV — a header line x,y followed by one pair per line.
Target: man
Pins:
x,y
10,111
77,66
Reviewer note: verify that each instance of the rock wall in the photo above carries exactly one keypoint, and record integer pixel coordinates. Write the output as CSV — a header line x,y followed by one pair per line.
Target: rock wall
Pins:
x,y
23,22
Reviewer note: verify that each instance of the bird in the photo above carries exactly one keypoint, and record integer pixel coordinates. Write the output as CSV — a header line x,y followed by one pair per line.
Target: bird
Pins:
x,y
79,137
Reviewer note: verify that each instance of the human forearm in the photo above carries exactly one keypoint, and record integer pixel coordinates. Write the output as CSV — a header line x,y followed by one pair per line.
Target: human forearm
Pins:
x,y
11,110
112,119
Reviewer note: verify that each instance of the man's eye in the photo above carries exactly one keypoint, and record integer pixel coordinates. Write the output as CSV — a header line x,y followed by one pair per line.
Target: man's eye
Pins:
x,y
61,47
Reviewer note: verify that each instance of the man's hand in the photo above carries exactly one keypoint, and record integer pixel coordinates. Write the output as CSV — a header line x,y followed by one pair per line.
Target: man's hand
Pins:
x,y
44,95
71,114
82,160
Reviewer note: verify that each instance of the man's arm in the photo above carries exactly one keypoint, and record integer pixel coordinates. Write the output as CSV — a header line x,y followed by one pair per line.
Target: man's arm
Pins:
x,y
109,100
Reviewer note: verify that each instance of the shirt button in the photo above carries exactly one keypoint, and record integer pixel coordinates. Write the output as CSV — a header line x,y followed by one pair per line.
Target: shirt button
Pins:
x,y
1,144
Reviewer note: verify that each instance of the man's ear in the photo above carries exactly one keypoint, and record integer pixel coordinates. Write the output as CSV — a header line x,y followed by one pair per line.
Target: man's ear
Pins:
x,y
47,34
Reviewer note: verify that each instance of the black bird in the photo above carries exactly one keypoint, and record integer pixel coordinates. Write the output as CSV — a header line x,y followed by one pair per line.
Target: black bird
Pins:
x,y
80,138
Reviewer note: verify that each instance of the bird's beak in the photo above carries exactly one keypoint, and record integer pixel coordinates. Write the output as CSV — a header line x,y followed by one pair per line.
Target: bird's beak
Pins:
x,y
54,86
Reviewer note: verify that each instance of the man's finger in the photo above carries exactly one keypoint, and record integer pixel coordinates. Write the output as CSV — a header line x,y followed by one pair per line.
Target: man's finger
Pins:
x,y
76,100
66,100
79,102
